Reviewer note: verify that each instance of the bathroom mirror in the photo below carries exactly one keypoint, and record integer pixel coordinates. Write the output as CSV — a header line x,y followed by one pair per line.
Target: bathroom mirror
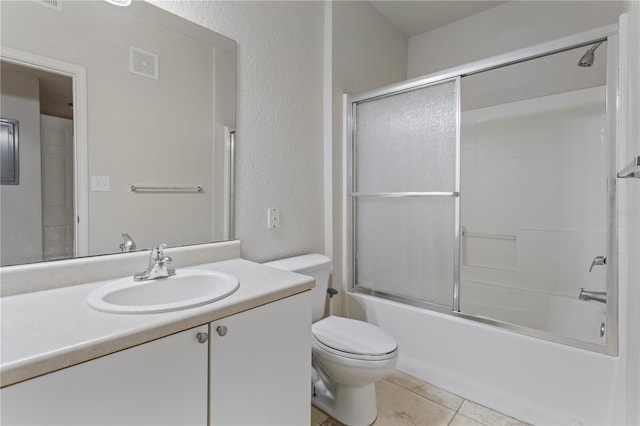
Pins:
x,y
127,118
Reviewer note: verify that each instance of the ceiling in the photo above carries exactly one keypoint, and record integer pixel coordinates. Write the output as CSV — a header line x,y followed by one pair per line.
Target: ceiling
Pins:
x,y
419,16
530,79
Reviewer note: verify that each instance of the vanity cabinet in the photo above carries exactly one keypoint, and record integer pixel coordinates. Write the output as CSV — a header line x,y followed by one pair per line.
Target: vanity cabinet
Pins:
x,y
254,369
260,365
160,382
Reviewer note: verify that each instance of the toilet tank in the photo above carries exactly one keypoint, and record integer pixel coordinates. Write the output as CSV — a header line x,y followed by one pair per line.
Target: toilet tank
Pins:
x,y
316,266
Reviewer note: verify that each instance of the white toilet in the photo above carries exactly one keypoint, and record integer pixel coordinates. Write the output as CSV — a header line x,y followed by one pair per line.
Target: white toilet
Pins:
x,y
348,356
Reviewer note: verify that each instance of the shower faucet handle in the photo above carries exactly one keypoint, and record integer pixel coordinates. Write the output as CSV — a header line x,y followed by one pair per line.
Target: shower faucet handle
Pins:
x,y
128,245
598,260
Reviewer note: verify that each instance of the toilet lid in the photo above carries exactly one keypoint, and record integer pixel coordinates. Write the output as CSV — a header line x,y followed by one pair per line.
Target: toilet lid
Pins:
x,y
352,336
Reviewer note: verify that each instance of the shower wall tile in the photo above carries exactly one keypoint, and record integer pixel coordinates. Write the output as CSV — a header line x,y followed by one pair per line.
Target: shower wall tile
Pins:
x,y
540,176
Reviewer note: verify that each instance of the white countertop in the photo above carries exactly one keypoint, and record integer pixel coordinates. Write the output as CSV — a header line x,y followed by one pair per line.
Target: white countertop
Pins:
x,y
48,330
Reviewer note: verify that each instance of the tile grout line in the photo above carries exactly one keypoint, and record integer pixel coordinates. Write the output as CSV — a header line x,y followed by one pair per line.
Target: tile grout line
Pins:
x,y
455,413
429,399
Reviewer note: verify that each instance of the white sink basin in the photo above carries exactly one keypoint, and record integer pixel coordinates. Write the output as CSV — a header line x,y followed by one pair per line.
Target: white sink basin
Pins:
x,y
187,289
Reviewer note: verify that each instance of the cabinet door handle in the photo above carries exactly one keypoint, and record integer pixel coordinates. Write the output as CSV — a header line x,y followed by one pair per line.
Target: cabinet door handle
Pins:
x,y
202,337
222,330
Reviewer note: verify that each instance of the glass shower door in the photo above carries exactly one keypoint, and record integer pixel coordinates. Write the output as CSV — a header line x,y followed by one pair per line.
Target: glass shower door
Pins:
x,y
405,193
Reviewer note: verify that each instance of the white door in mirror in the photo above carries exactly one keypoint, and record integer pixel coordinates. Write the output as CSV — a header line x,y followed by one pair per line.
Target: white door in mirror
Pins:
x,y
187,289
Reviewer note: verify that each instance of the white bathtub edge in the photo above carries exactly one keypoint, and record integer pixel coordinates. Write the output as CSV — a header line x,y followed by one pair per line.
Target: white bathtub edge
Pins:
x,y
530,379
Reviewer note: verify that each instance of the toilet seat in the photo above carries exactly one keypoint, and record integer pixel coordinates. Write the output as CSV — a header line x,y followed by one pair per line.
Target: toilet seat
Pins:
x,y
353,339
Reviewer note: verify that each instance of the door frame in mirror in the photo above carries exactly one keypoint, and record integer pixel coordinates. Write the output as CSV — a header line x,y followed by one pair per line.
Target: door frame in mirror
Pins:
x,y
78,75
230,182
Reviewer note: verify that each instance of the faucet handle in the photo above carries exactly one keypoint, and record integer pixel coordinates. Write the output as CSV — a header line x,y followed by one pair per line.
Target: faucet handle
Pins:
x,y
128,245
598,260
157,253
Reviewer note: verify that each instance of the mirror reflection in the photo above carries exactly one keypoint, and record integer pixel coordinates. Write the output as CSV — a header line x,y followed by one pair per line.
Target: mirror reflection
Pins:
x,y
120,98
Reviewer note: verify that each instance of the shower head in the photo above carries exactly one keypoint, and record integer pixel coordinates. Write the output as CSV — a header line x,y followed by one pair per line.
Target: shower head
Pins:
x,y
588,57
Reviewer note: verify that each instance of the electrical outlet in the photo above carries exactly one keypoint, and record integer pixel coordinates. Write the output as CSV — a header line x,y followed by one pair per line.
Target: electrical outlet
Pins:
x,y
273,218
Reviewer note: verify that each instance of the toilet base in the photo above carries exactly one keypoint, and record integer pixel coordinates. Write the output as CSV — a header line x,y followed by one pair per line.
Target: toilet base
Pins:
x,y
351,406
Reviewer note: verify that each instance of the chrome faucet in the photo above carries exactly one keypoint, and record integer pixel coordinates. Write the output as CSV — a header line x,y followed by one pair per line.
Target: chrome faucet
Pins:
x,y
598,296
599,260
158,266
128,245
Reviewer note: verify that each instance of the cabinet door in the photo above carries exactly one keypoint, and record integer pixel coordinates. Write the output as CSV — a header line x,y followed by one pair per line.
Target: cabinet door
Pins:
x,y
157,383
261,368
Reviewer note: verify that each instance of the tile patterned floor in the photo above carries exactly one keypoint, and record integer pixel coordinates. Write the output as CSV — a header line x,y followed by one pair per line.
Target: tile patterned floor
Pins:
x,y
404,400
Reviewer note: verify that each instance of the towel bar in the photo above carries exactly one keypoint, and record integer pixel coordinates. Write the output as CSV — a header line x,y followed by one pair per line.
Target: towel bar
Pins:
x,y
166,188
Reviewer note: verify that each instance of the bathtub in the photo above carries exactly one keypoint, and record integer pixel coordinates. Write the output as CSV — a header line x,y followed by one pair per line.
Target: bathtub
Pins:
x,y
557,314
531,379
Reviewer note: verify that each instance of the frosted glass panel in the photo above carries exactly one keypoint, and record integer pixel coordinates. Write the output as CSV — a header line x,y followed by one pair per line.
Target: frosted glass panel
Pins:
x,y
407,142
405,247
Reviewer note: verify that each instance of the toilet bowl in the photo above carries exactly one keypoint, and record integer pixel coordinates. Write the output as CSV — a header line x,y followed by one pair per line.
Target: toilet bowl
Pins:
x,y
348,356
353,355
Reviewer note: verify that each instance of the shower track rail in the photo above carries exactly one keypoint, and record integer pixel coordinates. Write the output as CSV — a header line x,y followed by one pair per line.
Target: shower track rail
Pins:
x,y
489,236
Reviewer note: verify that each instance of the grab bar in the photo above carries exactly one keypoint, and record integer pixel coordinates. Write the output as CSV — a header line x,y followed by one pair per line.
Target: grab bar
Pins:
x,y
167,188
404,194
492,236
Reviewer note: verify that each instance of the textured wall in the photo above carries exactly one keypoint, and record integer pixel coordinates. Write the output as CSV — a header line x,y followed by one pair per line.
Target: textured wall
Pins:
x,y
279,150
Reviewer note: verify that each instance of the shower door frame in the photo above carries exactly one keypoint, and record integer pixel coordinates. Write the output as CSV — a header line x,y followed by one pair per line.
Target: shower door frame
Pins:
x,y
587,38
455,194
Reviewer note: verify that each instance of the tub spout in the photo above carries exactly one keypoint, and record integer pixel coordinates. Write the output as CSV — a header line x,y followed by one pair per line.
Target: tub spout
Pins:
x,y
598,296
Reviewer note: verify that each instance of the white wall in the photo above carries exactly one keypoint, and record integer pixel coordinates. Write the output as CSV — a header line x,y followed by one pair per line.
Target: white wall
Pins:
x,y
279,119
367,53
507,27
21,204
